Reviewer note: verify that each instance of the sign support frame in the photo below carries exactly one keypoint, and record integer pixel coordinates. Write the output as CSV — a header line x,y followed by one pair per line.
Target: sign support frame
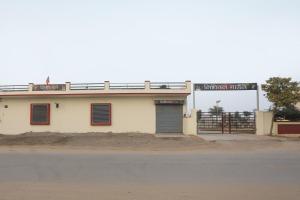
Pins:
x,y
226,87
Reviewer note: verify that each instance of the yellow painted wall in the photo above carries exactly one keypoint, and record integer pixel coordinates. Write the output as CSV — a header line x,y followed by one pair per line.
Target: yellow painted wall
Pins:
x,y
129,114
190,123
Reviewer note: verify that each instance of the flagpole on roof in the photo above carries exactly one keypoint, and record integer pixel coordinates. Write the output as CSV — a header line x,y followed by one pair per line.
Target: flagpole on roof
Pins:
x,y
47,80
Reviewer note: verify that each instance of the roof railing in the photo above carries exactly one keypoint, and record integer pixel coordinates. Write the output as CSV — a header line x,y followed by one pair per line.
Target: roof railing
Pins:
x,y
87,86
13,88
121,86
147,85
167,85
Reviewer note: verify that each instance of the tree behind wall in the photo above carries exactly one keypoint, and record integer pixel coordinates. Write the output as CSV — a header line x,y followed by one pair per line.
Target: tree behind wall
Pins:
x,y
216,110
199,114
288,113
282,93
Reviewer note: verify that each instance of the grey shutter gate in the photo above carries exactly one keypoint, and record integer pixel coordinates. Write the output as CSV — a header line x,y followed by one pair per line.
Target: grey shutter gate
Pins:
x,y
169,118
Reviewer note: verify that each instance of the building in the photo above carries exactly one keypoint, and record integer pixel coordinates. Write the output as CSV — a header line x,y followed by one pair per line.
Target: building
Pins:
x,y
147,107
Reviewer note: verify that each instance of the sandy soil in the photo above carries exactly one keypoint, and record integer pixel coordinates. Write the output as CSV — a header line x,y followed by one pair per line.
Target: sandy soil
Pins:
x,y
137,142
108,141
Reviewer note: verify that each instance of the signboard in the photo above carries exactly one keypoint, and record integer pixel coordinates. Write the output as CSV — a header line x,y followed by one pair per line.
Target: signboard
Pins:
x,y
49,87
224,86
169,101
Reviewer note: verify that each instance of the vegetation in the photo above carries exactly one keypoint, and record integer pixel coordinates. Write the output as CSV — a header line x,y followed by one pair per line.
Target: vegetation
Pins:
x,y
199,114
247,113
216,110
288,113
237,115
283,93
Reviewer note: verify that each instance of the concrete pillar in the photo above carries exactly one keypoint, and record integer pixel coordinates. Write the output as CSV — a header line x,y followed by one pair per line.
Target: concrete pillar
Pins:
x,y
30,87
106,85
188,85
68,86
147,86
190,123
263,122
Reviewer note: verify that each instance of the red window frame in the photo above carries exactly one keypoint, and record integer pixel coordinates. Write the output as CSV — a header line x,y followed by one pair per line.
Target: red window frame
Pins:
x,y
101,123
48,114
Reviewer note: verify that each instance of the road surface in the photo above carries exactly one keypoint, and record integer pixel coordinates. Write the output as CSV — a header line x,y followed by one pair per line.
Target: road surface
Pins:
x,y
150,175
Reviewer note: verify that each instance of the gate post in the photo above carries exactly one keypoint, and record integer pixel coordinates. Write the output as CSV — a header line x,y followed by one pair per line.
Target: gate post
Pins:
x,y
222,123
190,125
257,98
229,122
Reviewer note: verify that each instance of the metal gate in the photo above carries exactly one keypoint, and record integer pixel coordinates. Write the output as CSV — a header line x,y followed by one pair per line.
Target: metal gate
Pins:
x,y
226,122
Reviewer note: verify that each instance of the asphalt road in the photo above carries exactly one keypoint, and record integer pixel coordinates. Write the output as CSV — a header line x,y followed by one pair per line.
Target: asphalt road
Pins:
x,y
129,175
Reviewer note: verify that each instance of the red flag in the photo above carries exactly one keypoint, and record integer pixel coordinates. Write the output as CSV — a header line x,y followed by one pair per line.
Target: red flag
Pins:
x,y
47,80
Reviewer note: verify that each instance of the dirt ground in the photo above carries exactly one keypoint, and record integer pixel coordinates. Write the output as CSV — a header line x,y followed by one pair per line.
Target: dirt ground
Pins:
x,y
140,142
108,141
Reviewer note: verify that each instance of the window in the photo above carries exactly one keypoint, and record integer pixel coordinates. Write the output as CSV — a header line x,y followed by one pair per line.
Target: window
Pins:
x,y
40,114
101,114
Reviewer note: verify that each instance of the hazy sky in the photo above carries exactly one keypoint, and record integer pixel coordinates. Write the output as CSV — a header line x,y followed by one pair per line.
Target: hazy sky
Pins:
x,y
163,40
